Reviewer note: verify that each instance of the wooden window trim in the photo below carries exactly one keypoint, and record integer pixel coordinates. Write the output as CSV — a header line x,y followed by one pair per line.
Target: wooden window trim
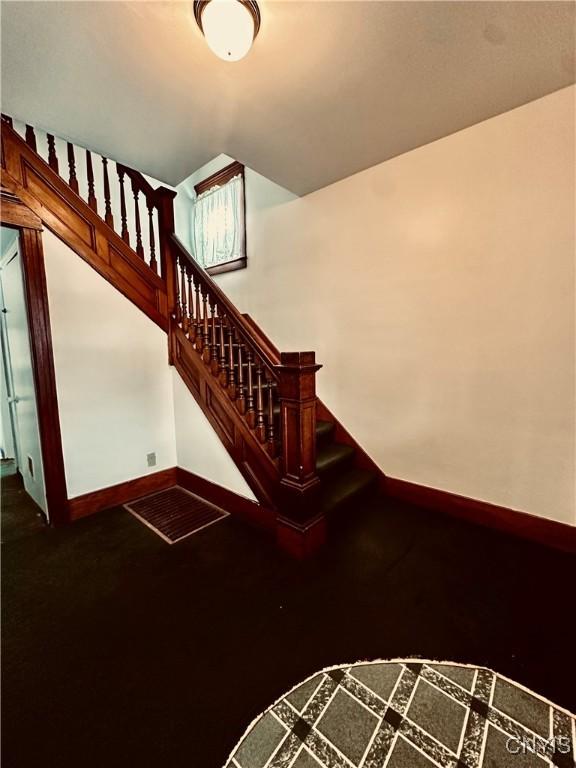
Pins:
x,y
219,179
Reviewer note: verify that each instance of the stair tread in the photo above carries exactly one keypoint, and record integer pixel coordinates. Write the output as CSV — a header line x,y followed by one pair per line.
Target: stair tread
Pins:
x,y
331,455
343,487
323,428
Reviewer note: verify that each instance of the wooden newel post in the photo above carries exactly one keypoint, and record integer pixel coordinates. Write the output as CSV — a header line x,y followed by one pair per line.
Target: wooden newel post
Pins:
x,y
165,204
300,524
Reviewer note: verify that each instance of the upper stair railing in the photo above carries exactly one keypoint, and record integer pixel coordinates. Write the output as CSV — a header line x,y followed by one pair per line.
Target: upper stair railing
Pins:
x,y
272,395
122,197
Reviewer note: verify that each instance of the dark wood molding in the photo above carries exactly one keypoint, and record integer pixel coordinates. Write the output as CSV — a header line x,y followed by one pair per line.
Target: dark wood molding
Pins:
x,y
247,510
260,471
15,213
115,495
229,266
28,177
548,532
301,540
220,178
44,375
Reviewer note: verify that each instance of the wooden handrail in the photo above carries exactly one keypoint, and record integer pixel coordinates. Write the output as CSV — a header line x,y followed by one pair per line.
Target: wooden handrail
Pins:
x,y
261,402
140,182
247,330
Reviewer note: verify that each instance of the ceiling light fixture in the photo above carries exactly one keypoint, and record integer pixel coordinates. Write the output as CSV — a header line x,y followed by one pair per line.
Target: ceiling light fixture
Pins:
x,y
229,26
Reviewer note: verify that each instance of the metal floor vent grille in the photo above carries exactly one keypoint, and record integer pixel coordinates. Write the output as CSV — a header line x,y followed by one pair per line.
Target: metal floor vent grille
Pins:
x,y
175,514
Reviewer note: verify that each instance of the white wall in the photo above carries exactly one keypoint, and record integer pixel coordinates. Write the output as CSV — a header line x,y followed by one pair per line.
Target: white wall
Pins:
x,y
198,447
118,398
113,380
438,291
26,413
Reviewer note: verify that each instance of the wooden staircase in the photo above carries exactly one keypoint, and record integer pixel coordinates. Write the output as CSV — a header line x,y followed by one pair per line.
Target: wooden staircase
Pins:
x,y
298,460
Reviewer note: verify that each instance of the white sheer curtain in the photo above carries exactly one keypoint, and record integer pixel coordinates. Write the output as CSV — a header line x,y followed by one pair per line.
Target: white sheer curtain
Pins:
x,y
218,224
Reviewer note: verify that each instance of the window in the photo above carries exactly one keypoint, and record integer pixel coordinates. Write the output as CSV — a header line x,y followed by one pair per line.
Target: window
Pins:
x,y
219,226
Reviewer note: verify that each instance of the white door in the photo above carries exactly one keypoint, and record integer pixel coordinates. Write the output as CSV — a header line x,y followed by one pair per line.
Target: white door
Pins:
x,y
18,390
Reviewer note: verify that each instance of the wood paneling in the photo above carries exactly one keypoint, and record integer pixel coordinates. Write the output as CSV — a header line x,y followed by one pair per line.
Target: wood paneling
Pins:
x,y
57,206
260,471
115,495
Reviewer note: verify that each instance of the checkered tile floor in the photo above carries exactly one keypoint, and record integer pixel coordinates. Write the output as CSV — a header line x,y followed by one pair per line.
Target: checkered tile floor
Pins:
x,y
409,715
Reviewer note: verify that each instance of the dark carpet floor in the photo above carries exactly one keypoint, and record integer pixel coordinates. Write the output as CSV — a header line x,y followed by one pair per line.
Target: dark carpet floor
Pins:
x,y
121,650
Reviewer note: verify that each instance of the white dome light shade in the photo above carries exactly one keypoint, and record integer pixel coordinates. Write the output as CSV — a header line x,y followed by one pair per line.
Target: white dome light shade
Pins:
x,y
229,28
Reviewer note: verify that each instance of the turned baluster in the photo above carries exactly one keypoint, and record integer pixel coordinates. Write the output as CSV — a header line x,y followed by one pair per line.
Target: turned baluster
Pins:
x,y
139,247
108,218
205,328
191,312
260,425
153,263
231,367
241,398
198,318
72,180
183,296
124,233
92,202
270,438
250,412
52,156
222,353
31,137
214,340
177,304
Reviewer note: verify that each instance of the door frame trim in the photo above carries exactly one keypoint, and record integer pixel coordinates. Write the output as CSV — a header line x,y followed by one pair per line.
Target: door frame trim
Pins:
x,y
16,215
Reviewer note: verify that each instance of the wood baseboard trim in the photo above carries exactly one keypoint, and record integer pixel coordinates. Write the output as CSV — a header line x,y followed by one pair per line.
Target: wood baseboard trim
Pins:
x,y
115,495
247,510
548,532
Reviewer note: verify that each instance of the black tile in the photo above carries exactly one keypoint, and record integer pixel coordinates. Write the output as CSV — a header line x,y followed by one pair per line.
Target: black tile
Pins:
x,y
416,668
301,729
337,675
393,718
480,707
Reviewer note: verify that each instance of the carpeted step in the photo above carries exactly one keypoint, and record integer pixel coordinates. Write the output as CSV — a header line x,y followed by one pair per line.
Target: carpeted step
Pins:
x,y
333,456
339,490
324,430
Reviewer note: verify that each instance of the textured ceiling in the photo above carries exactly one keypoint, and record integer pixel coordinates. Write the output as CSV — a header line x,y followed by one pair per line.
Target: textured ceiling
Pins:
x,y
328,89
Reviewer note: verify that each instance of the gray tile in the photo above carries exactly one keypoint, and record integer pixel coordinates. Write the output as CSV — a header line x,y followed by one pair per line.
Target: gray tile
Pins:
x,y
348,725
497,755
305,760
437,714
380,678
522,706
260,743
404,755
464,676
300,696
